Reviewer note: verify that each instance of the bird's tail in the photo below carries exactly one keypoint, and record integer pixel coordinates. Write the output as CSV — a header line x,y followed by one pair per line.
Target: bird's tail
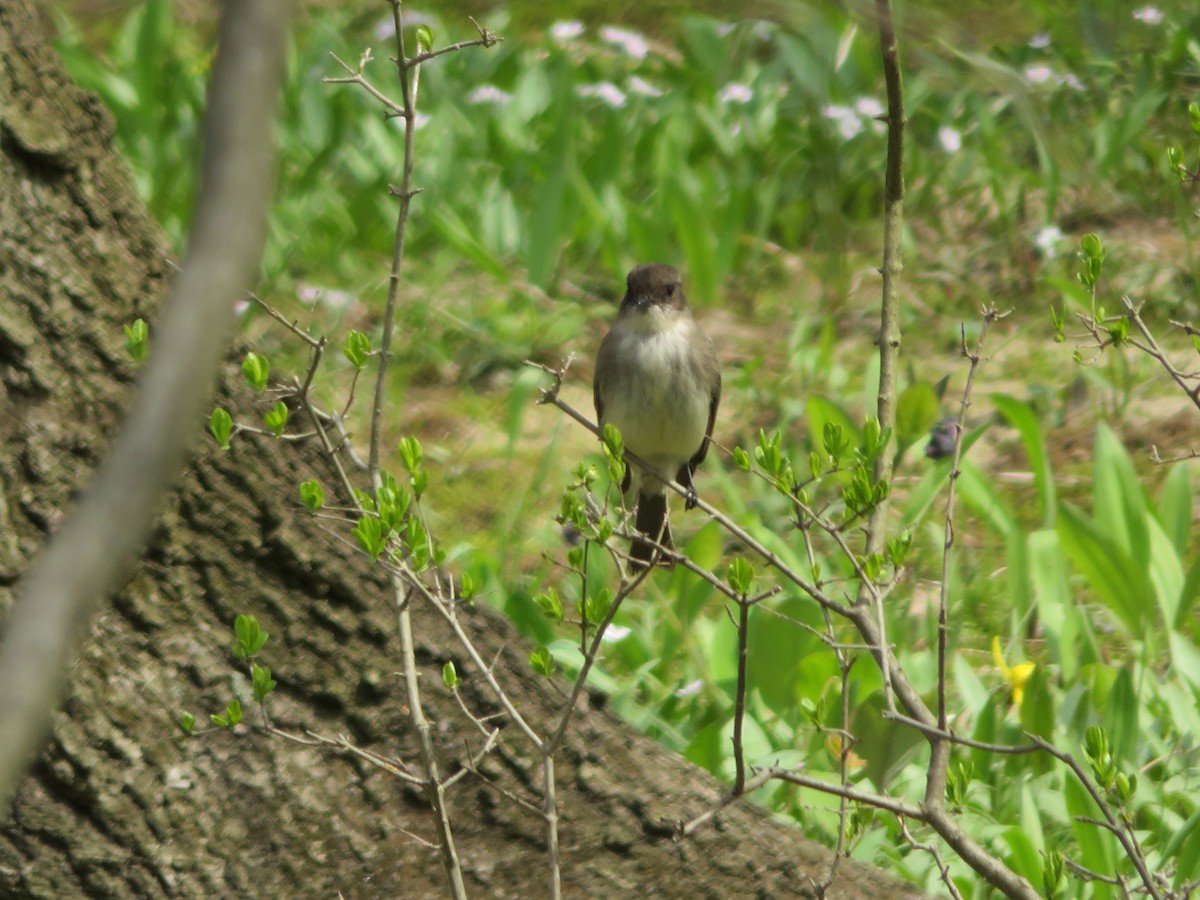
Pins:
x,y
652,522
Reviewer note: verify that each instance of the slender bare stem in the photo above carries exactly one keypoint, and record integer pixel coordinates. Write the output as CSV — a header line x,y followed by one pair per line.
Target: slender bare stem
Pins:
x,y
939,757
739,708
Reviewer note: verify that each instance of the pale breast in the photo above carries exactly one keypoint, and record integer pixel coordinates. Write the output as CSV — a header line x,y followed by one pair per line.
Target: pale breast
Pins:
x,y
655,396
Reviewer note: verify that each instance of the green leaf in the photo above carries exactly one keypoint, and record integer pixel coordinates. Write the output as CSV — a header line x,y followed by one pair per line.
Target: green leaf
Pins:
x,y
832,425
542,662
231,717
1118,581
1118,498
186,722
1056,605
368,532
220,424
916,413
411,454
449,675
1175,507
550,604
424,38
263,683
137,336
1037,715
277,418
467,586
1022,417
312,494
740,576
256,369
1121,718
250,638
356,349
978,491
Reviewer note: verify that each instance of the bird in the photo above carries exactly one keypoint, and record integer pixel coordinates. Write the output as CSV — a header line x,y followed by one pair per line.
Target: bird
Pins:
x,y
658,381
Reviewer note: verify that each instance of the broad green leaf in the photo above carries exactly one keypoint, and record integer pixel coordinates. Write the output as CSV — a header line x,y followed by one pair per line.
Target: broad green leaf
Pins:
x,y
969,686
1166,572
975,488
1183,851
1175,507
1119,583
777,649
916,413
1185,659
1056,606
1023,857
1038,714
1022,417
1118,500
1188,594
1121,718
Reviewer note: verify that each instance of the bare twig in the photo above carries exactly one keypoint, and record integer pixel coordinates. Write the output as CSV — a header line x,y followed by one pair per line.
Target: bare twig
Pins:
x,y
939,756
932,850
739,702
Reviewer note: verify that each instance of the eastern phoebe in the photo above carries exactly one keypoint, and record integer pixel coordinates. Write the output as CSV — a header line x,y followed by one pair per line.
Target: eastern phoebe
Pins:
x,y
658,381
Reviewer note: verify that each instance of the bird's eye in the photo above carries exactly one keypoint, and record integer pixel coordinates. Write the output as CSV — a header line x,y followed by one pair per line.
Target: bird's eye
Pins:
x,y
671,288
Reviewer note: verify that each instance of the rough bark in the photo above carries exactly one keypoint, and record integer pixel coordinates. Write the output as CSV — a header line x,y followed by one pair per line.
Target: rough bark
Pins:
x,y
116,807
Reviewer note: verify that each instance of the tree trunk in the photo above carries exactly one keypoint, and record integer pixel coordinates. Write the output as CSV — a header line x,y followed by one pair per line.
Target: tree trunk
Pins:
x,y
116,806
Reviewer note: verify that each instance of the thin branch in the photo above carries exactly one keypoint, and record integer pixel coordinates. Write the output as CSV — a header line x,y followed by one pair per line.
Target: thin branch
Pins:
x,y
486,39
932,850
589,660
939,755
753,784
343,744
739,703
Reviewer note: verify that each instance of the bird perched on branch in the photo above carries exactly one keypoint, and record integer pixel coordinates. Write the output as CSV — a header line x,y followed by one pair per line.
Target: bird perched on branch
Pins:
x,y
658,381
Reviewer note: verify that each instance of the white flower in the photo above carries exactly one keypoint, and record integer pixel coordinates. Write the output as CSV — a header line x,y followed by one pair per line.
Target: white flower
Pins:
x,y
1040,41
1047,240
849,123
950,139
1151,15
639,85
489,93
629,41
692,687
566,31
615,633
1038,74
868,107
735,93
240,308
606,91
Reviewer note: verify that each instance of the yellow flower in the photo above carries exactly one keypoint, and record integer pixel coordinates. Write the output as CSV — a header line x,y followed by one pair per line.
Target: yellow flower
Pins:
x,y
1016,676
